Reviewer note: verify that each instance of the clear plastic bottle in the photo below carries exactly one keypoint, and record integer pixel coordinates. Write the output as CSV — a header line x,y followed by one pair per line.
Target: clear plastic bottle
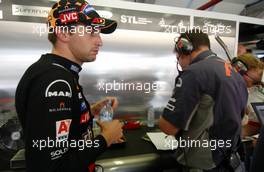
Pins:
x,y
151,117
106,113
96,128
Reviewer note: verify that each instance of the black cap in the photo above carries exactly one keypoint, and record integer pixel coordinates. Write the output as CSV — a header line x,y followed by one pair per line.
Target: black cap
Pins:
x,y
68,12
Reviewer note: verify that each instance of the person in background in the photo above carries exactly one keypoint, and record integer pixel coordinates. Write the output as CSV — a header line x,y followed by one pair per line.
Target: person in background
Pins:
x,y
55,116
241,49
207,105
251,69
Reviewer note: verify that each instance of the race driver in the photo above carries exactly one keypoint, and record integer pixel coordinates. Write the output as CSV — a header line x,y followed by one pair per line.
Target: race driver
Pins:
x,y
49,99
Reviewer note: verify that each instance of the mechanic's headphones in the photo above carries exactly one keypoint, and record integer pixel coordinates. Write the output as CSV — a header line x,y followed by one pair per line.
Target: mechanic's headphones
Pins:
x,y
239,65
184,45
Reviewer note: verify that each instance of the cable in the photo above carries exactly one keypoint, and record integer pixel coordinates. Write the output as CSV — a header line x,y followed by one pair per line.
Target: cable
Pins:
x,y
223,45
254,3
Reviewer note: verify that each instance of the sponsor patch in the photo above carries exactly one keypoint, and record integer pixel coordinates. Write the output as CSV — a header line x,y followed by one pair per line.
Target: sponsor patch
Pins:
x,y
58,88
88,135
87,9
170,106
69,17
83,106
60,108
85,117
62,129
98,21
75,68
80,95
58,153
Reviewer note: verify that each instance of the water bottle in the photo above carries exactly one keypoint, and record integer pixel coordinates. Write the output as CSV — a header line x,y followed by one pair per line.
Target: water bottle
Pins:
x,y
106,113
96,128
151,117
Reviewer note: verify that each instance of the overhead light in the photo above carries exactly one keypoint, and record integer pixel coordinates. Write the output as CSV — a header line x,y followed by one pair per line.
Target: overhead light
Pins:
x,y
260,56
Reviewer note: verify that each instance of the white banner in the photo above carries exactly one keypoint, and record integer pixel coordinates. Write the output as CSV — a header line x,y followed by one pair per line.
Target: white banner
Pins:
x,y
33,11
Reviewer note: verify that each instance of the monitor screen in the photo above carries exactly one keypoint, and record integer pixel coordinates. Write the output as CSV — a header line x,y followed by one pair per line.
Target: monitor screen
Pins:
x,y
259,110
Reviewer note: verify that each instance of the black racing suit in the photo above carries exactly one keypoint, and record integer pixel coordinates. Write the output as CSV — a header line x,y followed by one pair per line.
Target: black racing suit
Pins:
x,y
52,110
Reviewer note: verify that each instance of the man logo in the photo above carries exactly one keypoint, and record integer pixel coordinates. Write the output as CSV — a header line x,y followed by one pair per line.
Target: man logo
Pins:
x,y
63,93
59,94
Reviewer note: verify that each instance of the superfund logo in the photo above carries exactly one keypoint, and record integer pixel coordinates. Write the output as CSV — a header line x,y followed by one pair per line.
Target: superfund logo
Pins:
x,y
62,129
69,17
58,88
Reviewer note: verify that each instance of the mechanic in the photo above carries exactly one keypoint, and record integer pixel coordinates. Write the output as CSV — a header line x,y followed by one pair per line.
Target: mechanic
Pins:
x,y
212,86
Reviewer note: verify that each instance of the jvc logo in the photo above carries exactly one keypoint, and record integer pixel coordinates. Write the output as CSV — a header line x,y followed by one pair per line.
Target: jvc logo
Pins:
x,y
68,17
52,92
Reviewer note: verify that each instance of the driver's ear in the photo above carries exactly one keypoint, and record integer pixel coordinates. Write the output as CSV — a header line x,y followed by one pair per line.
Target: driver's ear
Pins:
x,y
63,34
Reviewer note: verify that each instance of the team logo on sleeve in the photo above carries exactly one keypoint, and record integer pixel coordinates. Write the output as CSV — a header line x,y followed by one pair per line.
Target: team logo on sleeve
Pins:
x,y
58,88
85,117
63,129
83,106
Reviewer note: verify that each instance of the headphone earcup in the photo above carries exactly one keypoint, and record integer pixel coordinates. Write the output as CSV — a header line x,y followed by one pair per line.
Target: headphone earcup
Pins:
x,y
184,46
240,66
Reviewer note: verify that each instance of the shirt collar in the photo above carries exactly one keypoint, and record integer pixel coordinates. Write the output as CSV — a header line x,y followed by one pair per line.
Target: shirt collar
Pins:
x,y
203,55
59,60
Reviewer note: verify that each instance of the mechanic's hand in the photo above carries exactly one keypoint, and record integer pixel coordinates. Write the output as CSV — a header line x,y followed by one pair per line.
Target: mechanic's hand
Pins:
x,y
112,131
96,108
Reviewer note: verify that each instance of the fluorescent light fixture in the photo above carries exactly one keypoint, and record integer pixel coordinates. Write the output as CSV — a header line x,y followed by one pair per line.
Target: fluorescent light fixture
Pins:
x,y
260,56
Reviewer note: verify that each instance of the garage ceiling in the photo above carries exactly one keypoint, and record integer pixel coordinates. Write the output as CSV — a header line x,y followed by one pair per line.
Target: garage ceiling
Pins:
x,y
253,8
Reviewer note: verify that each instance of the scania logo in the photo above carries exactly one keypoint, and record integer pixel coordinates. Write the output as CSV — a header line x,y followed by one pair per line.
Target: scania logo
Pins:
x,y
52,91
